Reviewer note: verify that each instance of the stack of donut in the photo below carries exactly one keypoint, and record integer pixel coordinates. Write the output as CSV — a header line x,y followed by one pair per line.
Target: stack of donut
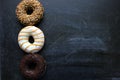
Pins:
x,y
29,13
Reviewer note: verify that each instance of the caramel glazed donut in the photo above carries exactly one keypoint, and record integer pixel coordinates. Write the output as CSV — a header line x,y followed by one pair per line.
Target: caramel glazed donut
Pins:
x,y
29,12
23,39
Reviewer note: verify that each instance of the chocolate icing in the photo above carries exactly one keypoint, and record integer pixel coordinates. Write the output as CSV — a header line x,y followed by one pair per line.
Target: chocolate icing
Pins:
x,y
32,66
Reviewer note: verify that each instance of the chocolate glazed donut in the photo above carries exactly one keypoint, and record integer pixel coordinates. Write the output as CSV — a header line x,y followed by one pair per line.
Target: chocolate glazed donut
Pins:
x,y
32,66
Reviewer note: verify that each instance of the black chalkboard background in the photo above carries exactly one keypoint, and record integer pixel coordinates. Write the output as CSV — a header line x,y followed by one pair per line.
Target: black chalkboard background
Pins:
x,y
82,40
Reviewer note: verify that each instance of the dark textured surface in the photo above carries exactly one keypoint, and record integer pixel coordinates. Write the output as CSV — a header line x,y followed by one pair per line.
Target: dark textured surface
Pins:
x,y
0,40
82,40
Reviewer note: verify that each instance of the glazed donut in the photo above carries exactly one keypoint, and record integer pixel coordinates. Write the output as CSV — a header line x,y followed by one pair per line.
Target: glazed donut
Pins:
x,y
32,66
23,39
29,12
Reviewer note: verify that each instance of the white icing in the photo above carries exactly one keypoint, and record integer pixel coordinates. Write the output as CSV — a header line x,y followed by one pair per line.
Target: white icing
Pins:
x,y
24,43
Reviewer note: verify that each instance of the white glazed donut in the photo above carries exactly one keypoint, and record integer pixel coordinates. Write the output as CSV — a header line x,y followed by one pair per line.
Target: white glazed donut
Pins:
x,y
23,39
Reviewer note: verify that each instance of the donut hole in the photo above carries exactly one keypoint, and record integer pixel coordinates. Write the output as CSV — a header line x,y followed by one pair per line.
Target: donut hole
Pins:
x,y
31,65
29,10
31,39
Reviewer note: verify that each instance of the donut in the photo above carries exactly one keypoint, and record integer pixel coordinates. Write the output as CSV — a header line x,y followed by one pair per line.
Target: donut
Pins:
x,y
29,12
32,66
36,34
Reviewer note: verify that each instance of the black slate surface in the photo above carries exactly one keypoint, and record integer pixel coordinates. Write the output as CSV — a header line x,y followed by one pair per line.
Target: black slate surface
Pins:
x,y
82,40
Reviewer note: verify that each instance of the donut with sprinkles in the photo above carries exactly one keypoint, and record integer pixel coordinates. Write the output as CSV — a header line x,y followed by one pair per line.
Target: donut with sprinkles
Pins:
x,y
29,12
